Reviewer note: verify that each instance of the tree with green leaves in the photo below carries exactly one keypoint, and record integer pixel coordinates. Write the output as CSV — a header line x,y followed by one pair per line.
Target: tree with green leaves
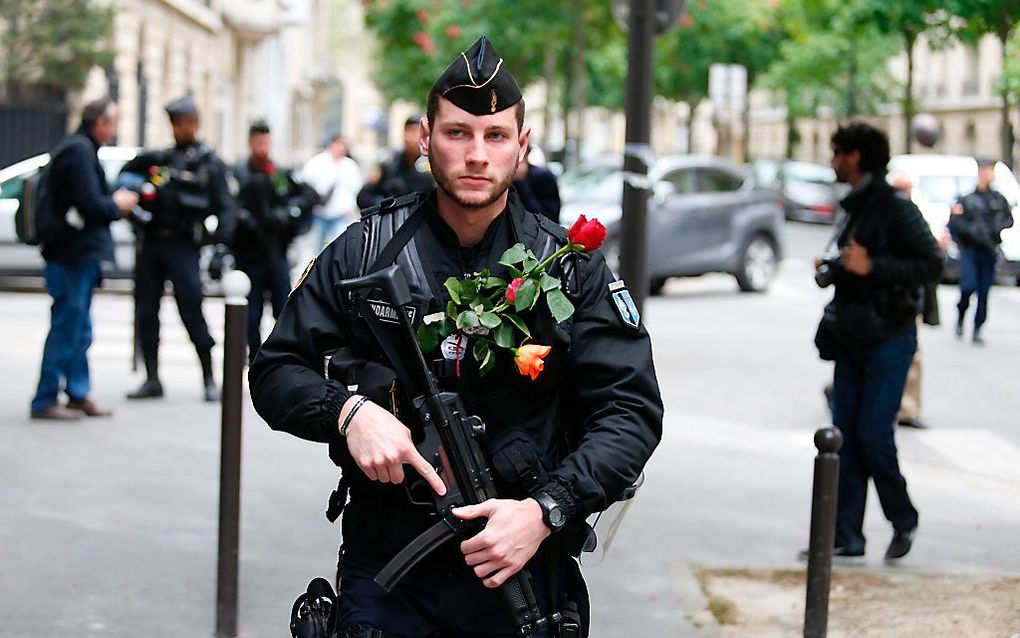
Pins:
x,y
999,17
47,47
908,20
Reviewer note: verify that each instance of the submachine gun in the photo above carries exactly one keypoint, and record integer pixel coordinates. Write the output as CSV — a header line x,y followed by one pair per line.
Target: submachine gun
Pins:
x,y
450,443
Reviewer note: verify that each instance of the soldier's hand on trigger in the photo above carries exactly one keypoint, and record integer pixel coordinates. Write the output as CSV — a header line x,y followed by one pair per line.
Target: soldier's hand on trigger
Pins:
x,y
381,446
125,200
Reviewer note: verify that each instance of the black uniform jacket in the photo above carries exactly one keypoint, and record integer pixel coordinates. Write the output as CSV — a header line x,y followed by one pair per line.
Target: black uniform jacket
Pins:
x,y
397,178
593,417
904,254
984,216
76,178
198,190
272,210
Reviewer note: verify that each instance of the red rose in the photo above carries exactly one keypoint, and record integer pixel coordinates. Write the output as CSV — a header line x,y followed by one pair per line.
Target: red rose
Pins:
x,y
511,290
453,31
153,170
587,233
269,168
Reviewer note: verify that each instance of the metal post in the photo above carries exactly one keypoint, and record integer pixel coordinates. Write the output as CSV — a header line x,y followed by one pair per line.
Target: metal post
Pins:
x,y
235,288
828,440
637,153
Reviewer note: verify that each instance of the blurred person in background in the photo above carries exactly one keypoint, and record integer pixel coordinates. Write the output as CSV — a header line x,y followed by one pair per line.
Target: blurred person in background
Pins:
x,y
337,179
79,197
976,222
273,209
887,253
190,188
406,172
537,187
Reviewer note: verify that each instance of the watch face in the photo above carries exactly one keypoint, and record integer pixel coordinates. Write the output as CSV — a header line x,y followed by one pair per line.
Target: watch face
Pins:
x,y
556,517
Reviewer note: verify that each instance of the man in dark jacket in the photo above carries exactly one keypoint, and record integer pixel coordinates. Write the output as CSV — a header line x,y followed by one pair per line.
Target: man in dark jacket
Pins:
x,y
406,172
274,208
976,224
562,445
887,255
538,189
81,196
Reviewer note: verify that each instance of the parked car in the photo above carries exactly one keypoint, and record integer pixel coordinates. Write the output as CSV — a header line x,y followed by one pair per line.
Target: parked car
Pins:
x,y
810,192
705,215
21,260
938,180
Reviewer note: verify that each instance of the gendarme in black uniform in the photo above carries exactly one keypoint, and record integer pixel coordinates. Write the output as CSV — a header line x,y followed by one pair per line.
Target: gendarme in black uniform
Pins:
x,y
976,224
192,186
273,209
581,432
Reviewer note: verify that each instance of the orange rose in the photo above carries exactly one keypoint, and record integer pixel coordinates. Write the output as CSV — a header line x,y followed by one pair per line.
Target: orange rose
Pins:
x,y
530,359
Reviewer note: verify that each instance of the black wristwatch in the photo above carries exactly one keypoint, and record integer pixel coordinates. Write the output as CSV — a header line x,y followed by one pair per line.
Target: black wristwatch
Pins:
x,y
552,513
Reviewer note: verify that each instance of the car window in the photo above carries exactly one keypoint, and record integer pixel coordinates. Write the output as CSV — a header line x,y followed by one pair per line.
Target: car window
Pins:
x,y
11,188
682,181
712,180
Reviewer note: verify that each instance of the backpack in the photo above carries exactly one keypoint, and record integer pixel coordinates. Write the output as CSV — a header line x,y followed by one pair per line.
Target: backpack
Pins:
x,y
35,221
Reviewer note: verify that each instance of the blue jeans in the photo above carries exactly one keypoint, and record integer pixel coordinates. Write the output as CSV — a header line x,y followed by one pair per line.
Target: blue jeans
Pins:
x,y
329,228
64,355
867,391
977,273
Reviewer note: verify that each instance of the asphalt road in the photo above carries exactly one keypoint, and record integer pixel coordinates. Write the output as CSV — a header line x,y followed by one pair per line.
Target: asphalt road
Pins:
x,y
108,528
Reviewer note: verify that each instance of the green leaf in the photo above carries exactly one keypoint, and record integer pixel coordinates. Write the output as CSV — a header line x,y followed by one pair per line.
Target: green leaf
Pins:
x,y
530,263
517,321
468,289
480,350
495,283
467,319
526,295
428,338
548,282
490,319
484,274
514,272
513,255
559,305
454,288
451,310
504,335
487,365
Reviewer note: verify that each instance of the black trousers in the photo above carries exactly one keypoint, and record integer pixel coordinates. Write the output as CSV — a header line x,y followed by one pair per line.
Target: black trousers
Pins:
x,y
867,391
176,261
270,277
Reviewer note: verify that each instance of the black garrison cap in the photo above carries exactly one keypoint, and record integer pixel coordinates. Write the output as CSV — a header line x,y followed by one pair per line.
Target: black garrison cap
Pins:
x,y
479,81
182,107
984,161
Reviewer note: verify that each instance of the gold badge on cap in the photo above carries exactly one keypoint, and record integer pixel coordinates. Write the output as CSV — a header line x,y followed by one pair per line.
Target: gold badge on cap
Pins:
x,y
492,104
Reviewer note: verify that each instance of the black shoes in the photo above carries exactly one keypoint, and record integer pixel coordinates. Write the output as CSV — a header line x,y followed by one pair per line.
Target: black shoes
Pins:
x,y
916,424
151,389
978,341
839,554
959,329
900,544
212,393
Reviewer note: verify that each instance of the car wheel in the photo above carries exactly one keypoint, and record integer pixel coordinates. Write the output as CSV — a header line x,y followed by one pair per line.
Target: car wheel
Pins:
x,y
655,286
758,264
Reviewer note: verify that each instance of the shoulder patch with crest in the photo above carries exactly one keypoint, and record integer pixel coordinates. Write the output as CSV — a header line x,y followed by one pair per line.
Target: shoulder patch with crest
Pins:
x,y
624,304
303,276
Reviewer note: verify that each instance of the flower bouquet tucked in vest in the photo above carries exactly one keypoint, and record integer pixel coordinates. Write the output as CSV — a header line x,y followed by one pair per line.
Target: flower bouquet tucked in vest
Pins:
x,y
483,314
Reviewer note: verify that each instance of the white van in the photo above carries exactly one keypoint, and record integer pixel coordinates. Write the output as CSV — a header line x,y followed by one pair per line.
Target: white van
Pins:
x,y
938,180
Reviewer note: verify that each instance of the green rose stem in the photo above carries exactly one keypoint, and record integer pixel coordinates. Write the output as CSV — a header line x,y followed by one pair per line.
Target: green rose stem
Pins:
x,y
548,260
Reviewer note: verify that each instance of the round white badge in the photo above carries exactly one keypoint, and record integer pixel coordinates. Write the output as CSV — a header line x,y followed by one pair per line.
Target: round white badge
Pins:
x,y
454,346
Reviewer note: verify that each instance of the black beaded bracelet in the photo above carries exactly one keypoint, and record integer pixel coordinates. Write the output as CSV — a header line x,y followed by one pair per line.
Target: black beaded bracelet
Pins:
x,y
350,416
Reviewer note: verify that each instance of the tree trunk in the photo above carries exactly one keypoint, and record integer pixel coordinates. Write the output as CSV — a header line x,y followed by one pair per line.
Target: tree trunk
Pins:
x,y
851,87
908,97
1007,126
580,82
792,137
548,69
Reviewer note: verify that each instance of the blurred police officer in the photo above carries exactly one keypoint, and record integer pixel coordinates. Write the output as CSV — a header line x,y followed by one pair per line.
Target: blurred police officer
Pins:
x,y
273,209
191,187
406,172
80,197
564,445
977,221
536,185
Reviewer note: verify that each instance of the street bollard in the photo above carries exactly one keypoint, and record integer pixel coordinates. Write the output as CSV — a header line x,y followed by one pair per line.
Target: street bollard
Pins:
x,y
235,290
828,440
